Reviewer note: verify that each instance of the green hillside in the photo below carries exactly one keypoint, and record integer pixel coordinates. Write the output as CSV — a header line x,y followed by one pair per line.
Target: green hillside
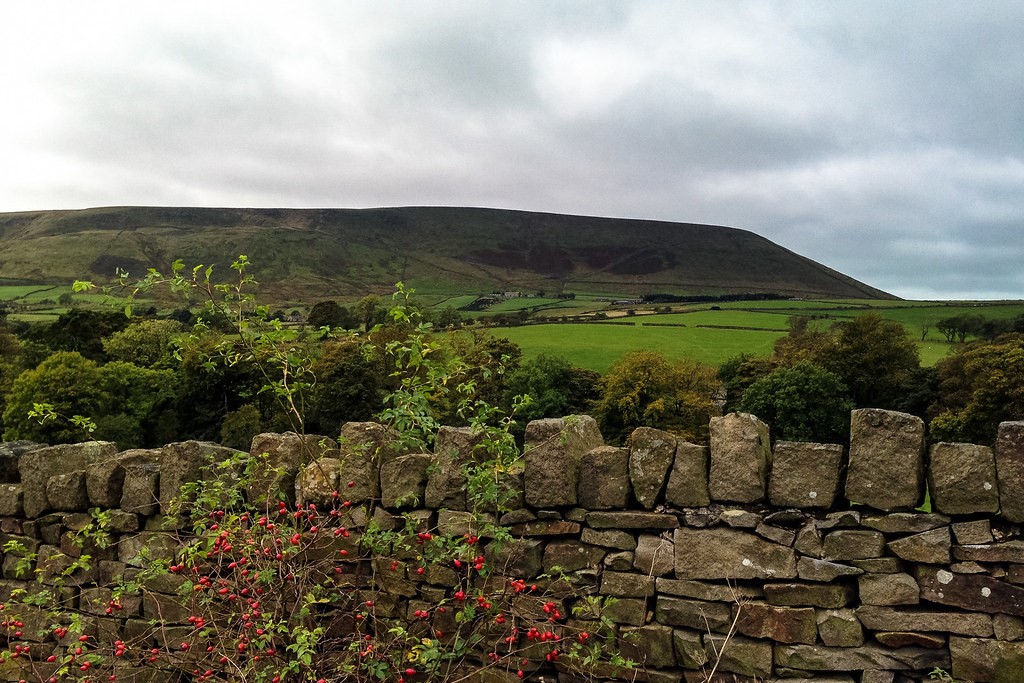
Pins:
x,y
313,253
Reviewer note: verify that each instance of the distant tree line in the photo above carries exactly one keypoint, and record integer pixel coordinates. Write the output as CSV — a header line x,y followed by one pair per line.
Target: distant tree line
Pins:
x,y
148,380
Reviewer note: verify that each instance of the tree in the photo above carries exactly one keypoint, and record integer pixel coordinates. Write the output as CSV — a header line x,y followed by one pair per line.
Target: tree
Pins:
x,y
646,389
349,386
874,357
331,314
146,343
556,388
803,402
369,311
739,372
979,387
67,381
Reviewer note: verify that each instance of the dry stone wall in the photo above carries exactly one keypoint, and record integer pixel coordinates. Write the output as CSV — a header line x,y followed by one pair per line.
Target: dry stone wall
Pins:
x,y
740,555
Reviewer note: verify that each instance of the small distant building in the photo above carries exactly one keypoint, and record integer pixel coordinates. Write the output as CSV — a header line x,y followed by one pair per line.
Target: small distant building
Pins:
x,y
512,295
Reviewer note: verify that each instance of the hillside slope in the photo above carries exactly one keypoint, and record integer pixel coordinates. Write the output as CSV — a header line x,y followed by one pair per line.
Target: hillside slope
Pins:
x,y
349,252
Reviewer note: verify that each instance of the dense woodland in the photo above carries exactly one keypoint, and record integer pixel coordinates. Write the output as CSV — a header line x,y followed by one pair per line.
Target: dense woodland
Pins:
x,y
147,380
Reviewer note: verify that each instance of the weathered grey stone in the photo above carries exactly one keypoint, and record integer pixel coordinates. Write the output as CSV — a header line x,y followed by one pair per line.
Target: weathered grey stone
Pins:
x,y
805,474
67,492
740,458
830,596
140,491
279,458
781,624
895,639
688,481
651,454
730,554
627,585
977,532
631,520
650,645
928,547
840,628
631,611
974,592
139,550
446,483
10,453
545,527
775,534
519,558
741,519
689,648
37,466
822,658
1007,551
905,522
708,591
461,523
539,431
1008,627
571,556
12,498
888,589
612,538
105,479
810,569
552,471
886,459
696,614
403,480
962,478
619,561
853,544
880,565
654,556
604,484
971,568
877,676
891,619
743,656
370,440
983,661
809,541
841,519
188,461
1009,452
319,482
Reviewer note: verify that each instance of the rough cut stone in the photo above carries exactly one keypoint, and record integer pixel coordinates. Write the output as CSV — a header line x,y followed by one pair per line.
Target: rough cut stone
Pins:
x,y
809,541
1009,452
979,660
539,431
1008,627
520,558
188,461
545,527
688,481
631,611
840,628
689,648
37,466
280,458
650,645
571,556
905,522
891,619
67,492
740,458
12,500
822,658
651,453
612,538
403,481
654,556
781,624
105,480
810,569
370,440
604,480
805,474
631,520
928,547
741,519
853,544
708,591
888,589
880,565
627,585
552,471
906,639
830,596
886,459
1008,551
972,533
973,592
730,554
620,561
743,656
140,492
962,478
319,482
696,614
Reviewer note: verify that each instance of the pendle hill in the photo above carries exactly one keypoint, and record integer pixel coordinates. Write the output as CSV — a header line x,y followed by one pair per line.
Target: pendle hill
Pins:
x,y
311,253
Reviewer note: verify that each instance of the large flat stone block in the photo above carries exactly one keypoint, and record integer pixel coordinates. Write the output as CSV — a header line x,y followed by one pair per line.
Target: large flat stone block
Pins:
x,y
886,459
805,474
730,554
1009,452
740,458
962,478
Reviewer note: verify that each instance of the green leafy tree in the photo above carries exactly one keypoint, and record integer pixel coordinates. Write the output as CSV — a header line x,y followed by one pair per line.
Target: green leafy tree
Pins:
x,y
804,402
69,383
331,314
874,357
980,386
146,343
369,311
349,386
80,330
646,389
555,387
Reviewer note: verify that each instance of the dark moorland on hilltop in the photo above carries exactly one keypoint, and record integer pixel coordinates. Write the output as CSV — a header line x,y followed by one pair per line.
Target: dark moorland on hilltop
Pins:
x,y
311,253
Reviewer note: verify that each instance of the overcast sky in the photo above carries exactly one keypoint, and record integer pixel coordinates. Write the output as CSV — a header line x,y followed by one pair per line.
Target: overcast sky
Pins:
x,y
883,139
